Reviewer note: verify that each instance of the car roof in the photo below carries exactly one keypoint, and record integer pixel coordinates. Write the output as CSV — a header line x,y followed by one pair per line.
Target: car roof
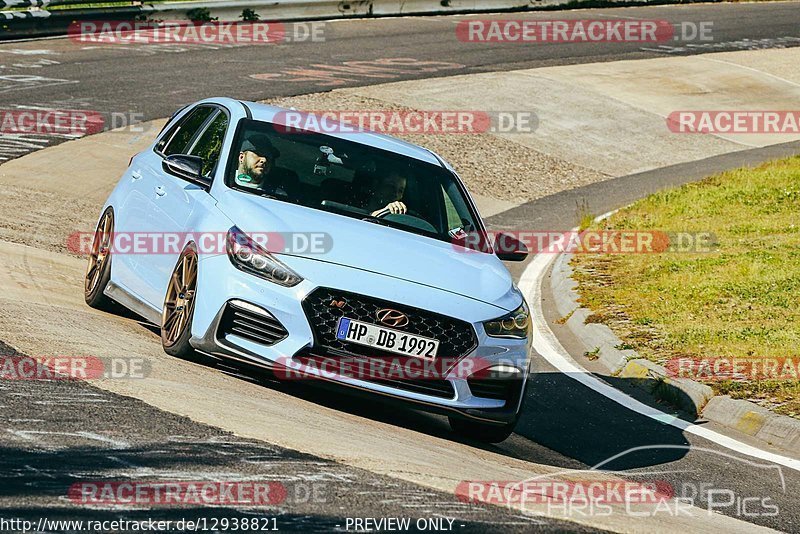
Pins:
x,y
265,112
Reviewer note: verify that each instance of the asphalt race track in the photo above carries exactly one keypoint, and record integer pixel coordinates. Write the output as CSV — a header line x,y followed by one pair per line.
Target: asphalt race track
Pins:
x,y
565,426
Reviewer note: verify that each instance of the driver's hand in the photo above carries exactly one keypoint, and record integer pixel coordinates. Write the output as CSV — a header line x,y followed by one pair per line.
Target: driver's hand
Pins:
x,y
396,208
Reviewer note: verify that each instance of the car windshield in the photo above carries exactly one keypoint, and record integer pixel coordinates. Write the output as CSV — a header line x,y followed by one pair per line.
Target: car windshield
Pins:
x,y
331,174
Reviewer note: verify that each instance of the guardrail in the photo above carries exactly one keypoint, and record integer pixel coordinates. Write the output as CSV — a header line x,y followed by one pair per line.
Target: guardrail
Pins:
x,y
39,18
288,10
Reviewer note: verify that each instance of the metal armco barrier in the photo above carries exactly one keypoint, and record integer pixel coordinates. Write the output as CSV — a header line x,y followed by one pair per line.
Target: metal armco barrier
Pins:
x,y
43,23
39,19
329,9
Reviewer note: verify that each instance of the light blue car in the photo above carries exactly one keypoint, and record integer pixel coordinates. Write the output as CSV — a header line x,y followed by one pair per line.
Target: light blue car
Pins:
x,y
345,258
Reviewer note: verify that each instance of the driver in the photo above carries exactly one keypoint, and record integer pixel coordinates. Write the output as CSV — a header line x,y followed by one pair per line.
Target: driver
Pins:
x,y
256,161
386,194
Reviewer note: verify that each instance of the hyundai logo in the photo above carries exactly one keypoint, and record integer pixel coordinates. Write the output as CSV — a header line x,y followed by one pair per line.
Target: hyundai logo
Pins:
x,y
391,317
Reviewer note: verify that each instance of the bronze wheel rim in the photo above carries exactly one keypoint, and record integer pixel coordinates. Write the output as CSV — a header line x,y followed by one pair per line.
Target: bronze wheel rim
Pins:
x,y
179,302
100,253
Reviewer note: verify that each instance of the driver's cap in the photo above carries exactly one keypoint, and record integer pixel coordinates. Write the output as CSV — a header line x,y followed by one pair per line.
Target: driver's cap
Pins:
x,y
260,144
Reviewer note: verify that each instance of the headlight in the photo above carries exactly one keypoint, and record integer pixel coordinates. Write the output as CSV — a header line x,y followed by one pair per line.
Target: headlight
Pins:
x,y
516,324
246,255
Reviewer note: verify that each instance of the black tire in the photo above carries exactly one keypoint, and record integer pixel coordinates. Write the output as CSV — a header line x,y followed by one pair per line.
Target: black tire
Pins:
x,y
98,271
176,342
483,432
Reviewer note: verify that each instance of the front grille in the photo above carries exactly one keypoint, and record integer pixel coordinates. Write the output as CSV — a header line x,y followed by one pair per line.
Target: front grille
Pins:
x,y
456,338
251,323
357,367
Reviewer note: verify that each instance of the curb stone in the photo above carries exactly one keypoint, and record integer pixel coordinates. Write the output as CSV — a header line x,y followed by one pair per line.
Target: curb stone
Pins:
x,y
683,393
754,420
597,338
655,379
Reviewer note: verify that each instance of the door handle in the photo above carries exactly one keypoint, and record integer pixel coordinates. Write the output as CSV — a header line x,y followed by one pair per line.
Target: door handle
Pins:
x,y
160,191
136,175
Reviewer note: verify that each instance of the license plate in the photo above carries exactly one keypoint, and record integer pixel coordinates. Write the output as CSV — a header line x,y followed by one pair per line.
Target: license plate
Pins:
x,y
387,339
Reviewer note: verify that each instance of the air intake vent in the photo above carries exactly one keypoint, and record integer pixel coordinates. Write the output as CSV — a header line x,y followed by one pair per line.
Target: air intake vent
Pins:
x,y
251,323
496,385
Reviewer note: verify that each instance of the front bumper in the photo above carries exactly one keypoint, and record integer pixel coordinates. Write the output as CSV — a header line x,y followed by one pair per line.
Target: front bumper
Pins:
x,y
220,285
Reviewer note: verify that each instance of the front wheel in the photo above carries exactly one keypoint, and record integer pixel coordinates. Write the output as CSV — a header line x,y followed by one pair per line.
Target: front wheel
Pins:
x,y
484,432
98,270
178,310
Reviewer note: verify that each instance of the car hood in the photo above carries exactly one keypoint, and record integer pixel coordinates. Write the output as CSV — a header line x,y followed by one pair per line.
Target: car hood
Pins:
x,y
378,249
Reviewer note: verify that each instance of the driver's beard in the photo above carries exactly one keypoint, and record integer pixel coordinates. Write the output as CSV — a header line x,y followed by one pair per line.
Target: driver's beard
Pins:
x,y
251,172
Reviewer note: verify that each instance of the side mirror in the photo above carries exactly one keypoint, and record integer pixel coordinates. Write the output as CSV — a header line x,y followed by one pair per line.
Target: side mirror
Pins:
x,y
186,167
509,248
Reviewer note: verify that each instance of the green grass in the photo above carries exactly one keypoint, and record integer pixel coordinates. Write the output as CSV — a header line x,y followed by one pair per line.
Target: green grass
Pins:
x,y
743,300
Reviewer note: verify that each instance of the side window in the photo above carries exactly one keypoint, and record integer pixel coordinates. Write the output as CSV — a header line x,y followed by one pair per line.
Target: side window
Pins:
x,y
458,214
167,136
453,218
209,144
177,138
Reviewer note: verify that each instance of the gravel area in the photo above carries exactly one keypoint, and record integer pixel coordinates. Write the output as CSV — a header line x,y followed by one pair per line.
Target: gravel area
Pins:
x,y
43,219
490,165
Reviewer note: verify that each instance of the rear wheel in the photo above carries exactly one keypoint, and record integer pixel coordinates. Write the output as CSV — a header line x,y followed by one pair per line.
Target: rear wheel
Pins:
x,y
485,432
98,270
178,310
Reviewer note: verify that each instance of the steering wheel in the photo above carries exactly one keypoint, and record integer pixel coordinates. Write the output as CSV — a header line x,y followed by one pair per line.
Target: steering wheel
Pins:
x,y
385,211
409,218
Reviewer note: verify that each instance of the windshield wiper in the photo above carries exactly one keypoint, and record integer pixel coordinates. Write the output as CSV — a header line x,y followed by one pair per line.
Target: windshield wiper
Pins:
x,y
376,220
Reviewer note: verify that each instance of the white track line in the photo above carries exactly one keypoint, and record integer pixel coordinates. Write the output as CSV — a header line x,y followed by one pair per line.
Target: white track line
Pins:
x,y
546,344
